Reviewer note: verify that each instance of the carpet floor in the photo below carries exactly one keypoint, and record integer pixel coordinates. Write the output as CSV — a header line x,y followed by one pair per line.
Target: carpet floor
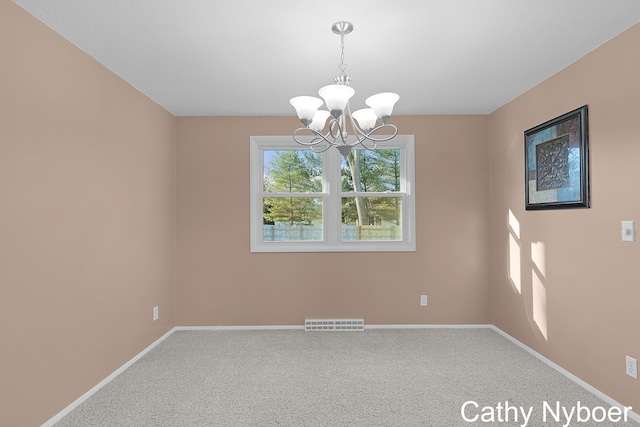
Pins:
x,y
405,377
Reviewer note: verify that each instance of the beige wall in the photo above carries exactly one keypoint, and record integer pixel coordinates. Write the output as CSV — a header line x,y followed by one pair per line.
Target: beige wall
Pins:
x,y
584,312
86,221
88,215
222,283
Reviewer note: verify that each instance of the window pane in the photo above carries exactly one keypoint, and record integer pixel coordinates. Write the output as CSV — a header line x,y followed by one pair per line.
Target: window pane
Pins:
x,y
291,218
371,170
371,218
291,171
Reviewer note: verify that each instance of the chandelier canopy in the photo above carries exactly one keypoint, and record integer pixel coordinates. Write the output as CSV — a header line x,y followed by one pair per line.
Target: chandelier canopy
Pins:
x,y
365,122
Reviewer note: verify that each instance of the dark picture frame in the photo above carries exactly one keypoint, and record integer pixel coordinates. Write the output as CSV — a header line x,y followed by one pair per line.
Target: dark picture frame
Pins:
x,y
556,159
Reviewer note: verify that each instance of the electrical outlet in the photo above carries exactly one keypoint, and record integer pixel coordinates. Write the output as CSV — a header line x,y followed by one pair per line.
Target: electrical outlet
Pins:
x,y
632,367
155,313
423,300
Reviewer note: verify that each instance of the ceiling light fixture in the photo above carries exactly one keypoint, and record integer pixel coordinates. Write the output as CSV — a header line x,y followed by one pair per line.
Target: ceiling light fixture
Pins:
x,y
336,97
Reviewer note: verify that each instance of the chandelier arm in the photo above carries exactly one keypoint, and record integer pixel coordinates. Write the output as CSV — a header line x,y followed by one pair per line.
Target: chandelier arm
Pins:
x,y
362,136
364,141
365,138
333,122
318,138
315,148
354,126
332,136
338,123
368,135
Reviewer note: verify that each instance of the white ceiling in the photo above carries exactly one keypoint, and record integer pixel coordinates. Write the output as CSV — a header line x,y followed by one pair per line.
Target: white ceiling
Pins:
x,y
249,57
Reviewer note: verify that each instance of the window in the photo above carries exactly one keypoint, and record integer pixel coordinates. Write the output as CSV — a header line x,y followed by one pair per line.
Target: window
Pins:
x,y
302,201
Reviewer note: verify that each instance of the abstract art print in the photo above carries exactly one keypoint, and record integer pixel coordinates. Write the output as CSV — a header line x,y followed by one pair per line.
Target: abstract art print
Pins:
x,y
556,157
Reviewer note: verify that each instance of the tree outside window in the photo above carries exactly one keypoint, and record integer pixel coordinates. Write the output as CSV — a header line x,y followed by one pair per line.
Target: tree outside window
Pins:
x,y
312,201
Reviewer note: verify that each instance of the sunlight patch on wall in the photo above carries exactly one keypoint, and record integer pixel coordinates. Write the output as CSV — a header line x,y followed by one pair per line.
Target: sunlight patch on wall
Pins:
x,y
514,263
538,257
539,303
514,224
514,252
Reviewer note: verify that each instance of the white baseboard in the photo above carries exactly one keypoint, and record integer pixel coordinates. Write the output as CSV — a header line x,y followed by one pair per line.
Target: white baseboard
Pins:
x,y
301,327
427,326
633,415
539,356
238,328
104,382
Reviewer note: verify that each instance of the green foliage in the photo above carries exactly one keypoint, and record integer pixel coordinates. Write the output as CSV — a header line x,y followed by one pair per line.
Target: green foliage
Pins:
x,y
292,210
293,171
371,171
374,170
300,171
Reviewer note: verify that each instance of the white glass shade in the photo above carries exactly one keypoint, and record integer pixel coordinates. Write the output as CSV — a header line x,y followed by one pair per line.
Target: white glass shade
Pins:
x,y
336,97
306,107
366,118
382,103
319,120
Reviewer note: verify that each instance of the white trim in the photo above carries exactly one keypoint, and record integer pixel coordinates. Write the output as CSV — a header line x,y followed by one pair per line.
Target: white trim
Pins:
x,y
301,327
331,196
633,415
428,326
104,382
239,328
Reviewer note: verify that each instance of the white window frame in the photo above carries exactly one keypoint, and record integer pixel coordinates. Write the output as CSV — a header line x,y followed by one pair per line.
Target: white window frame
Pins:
x,y
332,200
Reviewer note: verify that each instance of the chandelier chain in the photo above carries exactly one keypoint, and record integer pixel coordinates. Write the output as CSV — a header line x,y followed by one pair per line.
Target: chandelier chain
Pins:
x,y
342,65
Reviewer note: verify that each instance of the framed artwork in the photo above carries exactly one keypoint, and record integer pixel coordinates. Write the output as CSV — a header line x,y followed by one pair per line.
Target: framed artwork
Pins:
x,y
556,158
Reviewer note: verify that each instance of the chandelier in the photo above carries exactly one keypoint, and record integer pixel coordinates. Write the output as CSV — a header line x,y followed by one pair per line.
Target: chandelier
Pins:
x,y
365,123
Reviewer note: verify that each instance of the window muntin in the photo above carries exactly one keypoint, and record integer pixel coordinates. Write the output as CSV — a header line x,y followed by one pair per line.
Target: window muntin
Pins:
x,y
303,201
